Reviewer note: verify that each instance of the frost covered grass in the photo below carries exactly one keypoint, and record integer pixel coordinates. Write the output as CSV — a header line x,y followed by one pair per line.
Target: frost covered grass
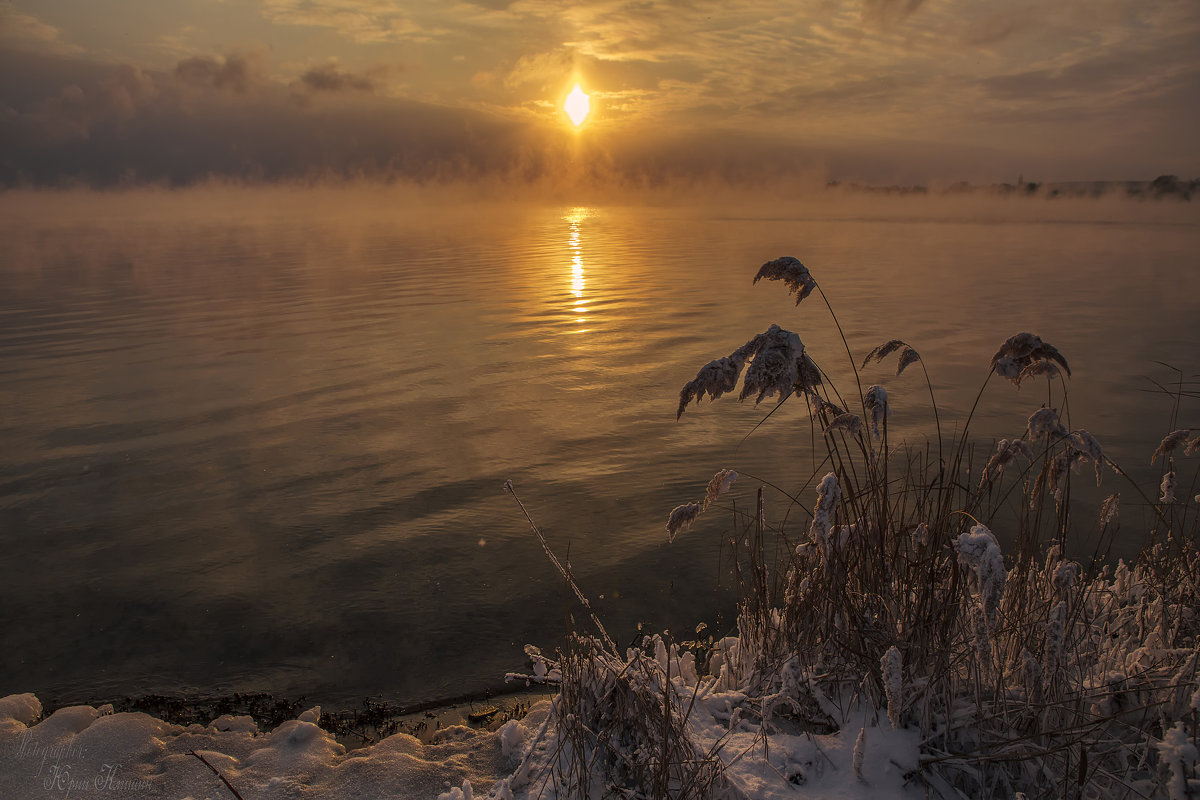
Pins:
x,y
897,615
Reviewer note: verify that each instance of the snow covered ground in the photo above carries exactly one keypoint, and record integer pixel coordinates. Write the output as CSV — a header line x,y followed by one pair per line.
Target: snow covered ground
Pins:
x,y
83,751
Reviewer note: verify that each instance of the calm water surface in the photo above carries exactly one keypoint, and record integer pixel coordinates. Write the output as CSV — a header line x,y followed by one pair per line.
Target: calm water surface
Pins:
x,y
256,446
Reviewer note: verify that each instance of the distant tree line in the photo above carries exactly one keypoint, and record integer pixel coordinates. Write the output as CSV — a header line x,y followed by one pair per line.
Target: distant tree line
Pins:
x,y
1161,188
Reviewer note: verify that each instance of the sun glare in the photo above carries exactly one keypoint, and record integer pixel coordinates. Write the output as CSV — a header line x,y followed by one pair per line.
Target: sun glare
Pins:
x,y
577,105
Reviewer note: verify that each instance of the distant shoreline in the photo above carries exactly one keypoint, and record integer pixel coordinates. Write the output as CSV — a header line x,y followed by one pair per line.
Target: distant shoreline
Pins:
x,y
1164,187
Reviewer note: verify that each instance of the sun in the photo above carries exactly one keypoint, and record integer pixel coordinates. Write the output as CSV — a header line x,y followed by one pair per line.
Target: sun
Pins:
x,y
577,105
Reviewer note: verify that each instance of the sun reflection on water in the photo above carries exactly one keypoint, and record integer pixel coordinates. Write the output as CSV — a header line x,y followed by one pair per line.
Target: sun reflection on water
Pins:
x,y
574,219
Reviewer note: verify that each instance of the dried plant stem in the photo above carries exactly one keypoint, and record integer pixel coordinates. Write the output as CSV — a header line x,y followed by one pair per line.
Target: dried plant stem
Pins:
x,y
608,642
216,772
937,421
846,344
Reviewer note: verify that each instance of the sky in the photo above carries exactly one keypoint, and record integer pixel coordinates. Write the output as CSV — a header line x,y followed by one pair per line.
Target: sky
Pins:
x,y
881,91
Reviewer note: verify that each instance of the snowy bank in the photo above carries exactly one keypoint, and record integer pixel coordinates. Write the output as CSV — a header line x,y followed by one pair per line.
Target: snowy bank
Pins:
x,y
83,751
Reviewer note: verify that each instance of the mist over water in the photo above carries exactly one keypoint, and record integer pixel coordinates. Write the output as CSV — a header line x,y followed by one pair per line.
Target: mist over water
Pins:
x,y
256,441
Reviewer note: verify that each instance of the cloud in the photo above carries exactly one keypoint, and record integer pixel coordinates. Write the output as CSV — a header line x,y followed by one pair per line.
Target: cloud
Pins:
x,y
363,21
81,122
78,121
886,12
1105,76
873,94
745,90
994,28
27,32
328,78
235,72
72,111
876,71
1133,91
541,69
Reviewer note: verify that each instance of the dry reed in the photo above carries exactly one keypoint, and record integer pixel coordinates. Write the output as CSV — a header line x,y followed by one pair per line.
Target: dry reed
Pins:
x,y
1025,673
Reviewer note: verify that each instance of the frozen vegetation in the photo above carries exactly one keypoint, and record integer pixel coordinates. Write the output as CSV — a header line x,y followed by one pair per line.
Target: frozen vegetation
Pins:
x,y
906,644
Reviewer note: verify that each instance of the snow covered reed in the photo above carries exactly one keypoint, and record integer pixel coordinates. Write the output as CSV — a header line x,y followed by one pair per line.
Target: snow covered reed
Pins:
x,y
1044,422
828,495
893,685
1006,450
1167,489
875,400
721,483
1169,443
778,365
681,518
1110,509
850,423
1022,351
979,554
684,515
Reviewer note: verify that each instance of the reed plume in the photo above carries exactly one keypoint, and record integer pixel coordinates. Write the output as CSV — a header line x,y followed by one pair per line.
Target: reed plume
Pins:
x,y
850,423
778,365
1038,368
875,401
715,378
1005,451
828,495
789,270
1170,442
908,356
882,351
1167,488
1087,446
1110,509
822,406
1044,422
1020,351
719,485
979,553
681,518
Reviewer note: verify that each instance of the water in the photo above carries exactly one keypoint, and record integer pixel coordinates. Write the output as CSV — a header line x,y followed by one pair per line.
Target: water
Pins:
x,y
257,443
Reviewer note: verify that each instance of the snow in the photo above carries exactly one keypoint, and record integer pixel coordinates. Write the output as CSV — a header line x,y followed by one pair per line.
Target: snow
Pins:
x,y
83,751
511,737
1179,754
18,711
777,766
